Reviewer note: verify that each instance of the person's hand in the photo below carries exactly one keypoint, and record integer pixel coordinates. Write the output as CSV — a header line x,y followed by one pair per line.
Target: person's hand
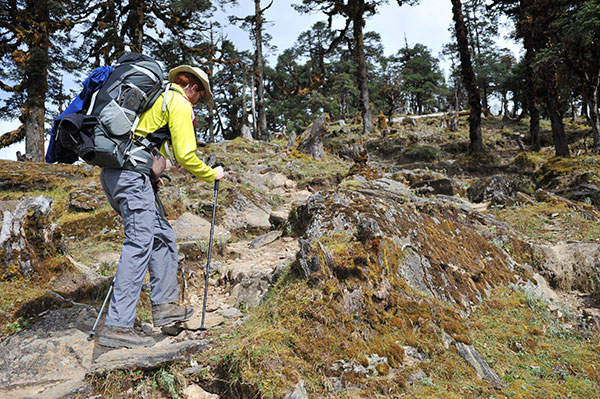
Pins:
x,y
220,172
157,184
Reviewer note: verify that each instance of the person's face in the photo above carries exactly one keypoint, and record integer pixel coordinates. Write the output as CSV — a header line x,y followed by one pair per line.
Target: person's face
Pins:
x,y
195,93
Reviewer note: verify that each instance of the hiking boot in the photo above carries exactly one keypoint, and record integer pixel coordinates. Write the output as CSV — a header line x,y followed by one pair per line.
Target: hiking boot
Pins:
x,y
169,313
121,337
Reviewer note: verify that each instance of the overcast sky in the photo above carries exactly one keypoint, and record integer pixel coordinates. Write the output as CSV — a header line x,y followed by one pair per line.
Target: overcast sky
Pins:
x,y
426,23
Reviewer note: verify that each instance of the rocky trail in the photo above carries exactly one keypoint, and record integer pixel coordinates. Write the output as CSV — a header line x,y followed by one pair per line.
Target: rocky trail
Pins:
x,y
53,355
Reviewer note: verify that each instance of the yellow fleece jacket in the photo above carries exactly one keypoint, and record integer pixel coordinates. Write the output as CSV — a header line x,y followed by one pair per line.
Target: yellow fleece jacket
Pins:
x,y
178,118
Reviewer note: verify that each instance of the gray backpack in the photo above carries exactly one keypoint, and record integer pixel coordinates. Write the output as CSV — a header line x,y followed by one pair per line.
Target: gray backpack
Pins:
x,y
131,89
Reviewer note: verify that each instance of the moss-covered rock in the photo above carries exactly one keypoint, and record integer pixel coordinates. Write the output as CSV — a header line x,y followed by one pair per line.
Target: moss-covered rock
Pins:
x,y
561,173
376,272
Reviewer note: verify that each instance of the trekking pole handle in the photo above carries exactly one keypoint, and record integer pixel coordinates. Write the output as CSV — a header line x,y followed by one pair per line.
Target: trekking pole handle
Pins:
x,y
217,181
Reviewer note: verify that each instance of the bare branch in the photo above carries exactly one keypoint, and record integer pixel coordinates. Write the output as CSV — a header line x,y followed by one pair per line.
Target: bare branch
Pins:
x,y
12,137
267,7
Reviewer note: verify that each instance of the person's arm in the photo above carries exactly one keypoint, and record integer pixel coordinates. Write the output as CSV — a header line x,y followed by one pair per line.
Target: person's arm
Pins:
x,y
183,139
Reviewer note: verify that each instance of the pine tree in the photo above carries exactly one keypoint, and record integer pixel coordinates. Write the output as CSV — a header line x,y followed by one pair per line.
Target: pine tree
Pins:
x,y
355,13
32,36
476,141
255,23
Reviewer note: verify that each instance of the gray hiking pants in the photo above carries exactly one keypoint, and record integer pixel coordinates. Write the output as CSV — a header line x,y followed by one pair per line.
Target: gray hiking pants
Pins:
x,y
149,243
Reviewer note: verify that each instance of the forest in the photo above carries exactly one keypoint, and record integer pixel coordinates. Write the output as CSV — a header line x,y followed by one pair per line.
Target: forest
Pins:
x,y
339,71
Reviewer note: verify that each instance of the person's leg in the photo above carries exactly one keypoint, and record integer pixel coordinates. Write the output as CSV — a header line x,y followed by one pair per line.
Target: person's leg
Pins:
x,y
132,195
163,276
163,264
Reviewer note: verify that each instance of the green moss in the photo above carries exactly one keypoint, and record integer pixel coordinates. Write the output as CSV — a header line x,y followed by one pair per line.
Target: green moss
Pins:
x,y
424,153
529,161
559,173
477,159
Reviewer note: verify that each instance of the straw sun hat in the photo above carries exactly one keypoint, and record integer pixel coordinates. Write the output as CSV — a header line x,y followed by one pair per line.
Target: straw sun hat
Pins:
x,y
197,72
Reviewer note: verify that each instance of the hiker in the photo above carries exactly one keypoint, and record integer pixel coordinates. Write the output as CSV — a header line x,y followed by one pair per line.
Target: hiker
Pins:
x,y
149,241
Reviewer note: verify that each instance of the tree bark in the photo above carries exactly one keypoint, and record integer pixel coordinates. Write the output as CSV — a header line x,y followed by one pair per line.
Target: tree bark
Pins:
x,y
561,146
262,116
595,121
135,24
359,54
476,141
255,132
311,141
244,87
590,106
531,89
595,118
534,125
36,82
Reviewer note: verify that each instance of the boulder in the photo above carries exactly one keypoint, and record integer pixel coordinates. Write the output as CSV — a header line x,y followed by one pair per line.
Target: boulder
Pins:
x,y
87,199
50,359
496,189
483,370
245,215
190,227
570,266
436,186
196,392
299,392
28,239
211,320
147,358
278,218
250,291
265,239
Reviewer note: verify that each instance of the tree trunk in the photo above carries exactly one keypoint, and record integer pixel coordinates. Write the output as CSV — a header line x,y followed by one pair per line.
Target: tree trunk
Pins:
x,y
36,82
259,66
553,107
211,125
476,142
595,120
531,94
534,126
590,105
311,141
558,131
135,25
255,132
361,63
34,131
244,87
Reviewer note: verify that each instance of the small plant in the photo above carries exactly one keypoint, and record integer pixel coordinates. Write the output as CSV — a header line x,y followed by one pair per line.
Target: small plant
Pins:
x,y
427,381
105,268
16,326
167,381
202,246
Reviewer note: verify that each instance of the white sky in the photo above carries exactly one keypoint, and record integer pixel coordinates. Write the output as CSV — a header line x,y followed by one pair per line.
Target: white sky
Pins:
x,y
426,23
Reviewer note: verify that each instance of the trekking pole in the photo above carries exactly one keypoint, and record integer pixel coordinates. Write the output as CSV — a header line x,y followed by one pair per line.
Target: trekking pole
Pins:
x,y
112,284
210,242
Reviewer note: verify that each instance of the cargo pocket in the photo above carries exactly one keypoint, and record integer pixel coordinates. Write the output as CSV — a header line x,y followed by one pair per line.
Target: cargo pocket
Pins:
x,y
115,119
140,224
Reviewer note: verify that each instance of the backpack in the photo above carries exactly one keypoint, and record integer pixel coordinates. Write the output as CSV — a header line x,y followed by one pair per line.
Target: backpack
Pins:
x,y
62,152
104,134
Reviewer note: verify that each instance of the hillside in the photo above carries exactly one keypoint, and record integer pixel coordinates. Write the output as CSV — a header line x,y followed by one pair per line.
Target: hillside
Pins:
x,y
415,271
